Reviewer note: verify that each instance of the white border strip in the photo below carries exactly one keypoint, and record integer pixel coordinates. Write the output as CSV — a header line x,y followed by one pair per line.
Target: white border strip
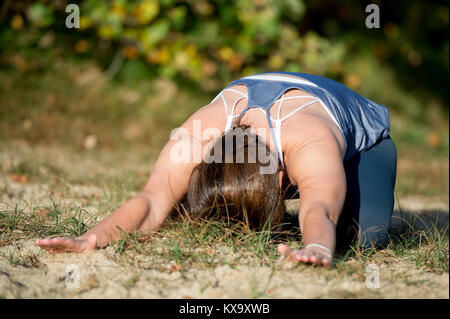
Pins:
x,y
279,78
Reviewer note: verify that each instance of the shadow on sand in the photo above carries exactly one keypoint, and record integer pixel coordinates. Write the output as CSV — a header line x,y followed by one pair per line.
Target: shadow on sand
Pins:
x,y
404,223
425,221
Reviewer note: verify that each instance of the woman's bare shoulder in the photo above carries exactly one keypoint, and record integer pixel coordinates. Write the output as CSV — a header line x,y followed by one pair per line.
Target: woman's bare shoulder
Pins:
x,y
209,116
311,129
314,158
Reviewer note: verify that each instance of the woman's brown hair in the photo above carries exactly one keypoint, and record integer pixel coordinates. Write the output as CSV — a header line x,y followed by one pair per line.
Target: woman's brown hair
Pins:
x,y
229,184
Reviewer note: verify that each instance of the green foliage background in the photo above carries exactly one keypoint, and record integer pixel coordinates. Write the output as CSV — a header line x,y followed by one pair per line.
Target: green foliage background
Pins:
x,y
205,44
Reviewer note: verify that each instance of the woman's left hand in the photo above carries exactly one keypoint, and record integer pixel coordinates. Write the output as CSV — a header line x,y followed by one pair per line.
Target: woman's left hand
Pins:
x,y
311,255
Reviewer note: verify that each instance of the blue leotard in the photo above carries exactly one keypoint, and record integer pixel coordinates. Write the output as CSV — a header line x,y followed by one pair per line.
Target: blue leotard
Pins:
x,y
361,121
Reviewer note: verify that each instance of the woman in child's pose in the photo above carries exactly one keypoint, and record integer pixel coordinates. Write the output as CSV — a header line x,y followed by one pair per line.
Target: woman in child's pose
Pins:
x,y
260,134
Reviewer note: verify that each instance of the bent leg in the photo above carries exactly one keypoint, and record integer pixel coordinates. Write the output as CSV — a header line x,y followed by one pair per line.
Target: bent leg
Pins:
x,y
369,202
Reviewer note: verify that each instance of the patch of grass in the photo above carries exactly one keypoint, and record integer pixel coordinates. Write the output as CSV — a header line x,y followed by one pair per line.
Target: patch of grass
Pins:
x,y
36,169
15,258
427,250
424,249
204,244
46,221
189,242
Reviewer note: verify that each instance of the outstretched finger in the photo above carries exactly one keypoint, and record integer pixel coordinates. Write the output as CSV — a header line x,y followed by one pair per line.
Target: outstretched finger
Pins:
x,y
326,262
50,242
306,257
283,249
92,242
51,248
57,244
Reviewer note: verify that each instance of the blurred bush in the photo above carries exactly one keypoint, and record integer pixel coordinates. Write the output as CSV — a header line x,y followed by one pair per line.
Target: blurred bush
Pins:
x,y
404,64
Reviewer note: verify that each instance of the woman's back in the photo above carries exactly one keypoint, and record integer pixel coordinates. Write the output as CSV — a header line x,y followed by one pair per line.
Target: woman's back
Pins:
x,y
361,121
297,130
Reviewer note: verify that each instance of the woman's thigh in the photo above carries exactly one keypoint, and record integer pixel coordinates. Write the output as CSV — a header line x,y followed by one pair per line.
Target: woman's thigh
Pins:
x,y
369,201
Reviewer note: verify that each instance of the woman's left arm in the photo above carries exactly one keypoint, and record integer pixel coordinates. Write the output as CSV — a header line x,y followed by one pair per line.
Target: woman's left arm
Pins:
x,y
316,166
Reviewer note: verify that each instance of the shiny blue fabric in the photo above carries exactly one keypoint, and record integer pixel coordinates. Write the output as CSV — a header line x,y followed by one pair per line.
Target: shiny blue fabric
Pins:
x,y
362,121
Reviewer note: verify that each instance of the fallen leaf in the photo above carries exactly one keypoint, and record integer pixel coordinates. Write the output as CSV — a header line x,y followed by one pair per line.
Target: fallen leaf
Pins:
x,y
17,22
42,213
142,174
90,142
434,139
91,282
19,178
130,53
27,124
81,46
353,81
175,268
133,131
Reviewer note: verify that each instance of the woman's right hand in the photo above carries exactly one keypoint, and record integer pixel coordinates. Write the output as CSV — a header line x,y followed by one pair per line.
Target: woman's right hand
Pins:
x,y
65,244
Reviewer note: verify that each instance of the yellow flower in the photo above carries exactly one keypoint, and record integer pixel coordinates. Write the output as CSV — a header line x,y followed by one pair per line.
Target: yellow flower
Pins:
x,y
161,56
191,50
181,60
85,22
17,22
119,11
164,56
146,11
226,53
276,61
106,31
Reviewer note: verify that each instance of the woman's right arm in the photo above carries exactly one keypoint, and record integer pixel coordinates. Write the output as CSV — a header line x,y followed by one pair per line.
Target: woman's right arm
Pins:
x,y
130,216
149,209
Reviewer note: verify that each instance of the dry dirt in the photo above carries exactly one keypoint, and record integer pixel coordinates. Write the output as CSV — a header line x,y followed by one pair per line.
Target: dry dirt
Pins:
x,y
107,274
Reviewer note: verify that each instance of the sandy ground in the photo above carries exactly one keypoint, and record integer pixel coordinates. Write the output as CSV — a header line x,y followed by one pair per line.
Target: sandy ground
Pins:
x,y
107,274
101,274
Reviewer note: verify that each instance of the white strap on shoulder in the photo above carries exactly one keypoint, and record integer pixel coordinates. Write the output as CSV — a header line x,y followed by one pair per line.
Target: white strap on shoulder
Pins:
x,y
298,109
230,116
278,120
278,130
